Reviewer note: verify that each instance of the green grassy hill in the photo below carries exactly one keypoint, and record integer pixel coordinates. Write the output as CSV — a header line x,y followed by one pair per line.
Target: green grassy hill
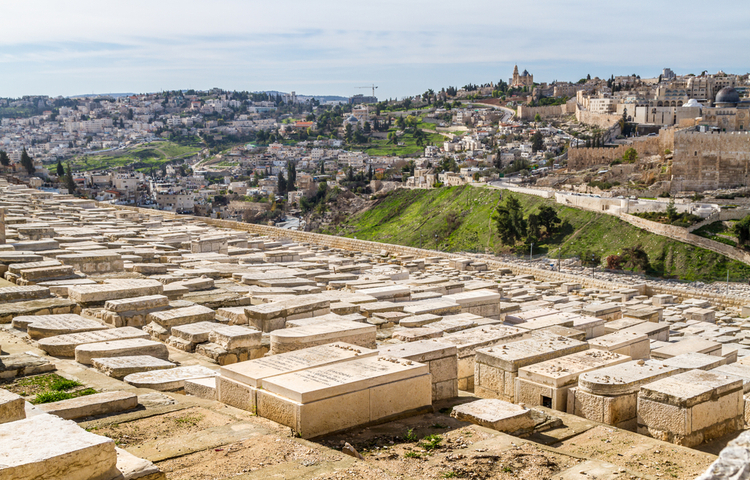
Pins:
x,y
459,219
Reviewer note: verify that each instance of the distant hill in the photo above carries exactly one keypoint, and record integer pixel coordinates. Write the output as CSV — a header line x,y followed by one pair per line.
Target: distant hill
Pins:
x,y
96,95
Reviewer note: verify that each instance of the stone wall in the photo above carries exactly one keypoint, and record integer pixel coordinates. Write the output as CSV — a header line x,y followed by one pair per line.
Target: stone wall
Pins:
x,y
579,158
548,111
351,244
2,226
602,120
709,161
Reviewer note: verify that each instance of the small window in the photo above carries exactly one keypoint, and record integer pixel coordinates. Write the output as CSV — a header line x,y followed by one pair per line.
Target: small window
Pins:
x,y
546,402
696,153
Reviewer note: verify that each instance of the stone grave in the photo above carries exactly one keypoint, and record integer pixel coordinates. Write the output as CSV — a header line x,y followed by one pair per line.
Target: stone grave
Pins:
x,y
625,342
132,312
610,395
43,326
289,339
547,383
691,408
336,397
497,367
440,358
65,345
237,384
118,348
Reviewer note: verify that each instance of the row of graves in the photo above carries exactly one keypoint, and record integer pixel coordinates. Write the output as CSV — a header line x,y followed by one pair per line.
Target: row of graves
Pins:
x,y
322,340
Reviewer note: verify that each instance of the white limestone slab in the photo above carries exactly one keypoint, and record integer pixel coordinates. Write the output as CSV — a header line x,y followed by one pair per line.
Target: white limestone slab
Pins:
x,y
65,345
119,348
168,380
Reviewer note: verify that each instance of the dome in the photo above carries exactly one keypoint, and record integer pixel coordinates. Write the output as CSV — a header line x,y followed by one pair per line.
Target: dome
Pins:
x,y
525,73
727,95
692,103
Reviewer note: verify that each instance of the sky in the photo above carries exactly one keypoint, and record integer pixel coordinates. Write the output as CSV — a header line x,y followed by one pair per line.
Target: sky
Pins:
x,y
331,47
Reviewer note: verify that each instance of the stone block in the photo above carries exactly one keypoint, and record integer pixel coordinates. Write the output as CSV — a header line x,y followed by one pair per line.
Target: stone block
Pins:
x,y
65,345
182,316
168,380
120,367
92,405
120,348
12,407
290,339
44,326
498,415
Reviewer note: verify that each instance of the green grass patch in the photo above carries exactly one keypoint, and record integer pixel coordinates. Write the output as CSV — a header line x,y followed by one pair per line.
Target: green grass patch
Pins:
x,y
458,219
143,157
381,147
56,396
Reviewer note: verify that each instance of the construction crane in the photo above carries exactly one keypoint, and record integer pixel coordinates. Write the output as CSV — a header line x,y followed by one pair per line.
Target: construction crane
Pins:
x,y
373,87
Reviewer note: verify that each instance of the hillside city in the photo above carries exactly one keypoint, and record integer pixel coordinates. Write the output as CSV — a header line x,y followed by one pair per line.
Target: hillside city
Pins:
x,y
506,280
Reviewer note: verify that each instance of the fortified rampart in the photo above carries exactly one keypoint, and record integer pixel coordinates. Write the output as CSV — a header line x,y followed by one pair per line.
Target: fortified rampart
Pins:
x,y
601,120
709,161
548,111
579,158
351,244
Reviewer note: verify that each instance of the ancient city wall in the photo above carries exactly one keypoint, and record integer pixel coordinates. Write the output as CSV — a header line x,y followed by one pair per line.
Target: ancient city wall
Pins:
x,y
601,120
579,158
548,111
709,161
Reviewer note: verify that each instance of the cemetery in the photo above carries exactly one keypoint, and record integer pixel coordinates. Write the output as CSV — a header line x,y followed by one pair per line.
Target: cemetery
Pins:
x,y
217,337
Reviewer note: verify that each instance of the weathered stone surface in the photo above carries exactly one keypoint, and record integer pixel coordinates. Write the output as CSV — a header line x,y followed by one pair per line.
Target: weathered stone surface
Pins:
x,y
498,415
168,380
182,316
235,337
136,303
92,405
65,345
335,397
22,294
290,339
120,348
120,367
43,326
22,364
46,447
45,306
12,407
116,290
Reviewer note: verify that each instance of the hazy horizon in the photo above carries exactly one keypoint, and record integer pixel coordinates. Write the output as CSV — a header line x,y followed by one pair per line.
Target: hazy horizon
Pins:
x,y
331,47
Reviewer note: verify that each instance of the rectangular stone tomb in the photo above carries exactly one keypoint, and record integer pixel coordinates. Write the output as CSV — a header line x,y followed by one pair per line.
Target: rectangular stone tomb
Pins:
x,y
335,397
654,331
485,303
691,408
548,383
499,415
687,345
22,294
695,361
633,344
607,311
467,343
170,379
289,339
119,348
92,405
133,311
238,383
440,358
182,316
120,367
435,307
65,345
268,317
393,293
46,447
43,326
118,289
497,367
609,395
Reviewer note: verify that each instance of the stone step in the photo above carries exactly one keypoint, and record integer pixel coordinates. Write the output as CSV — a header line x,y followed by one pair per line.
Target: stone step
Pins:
x,y
92,405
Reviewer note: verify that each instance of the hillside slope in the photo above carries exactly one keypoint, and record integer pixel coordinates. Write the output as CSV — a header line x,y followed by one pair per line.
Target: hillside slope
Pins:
x,y
459,219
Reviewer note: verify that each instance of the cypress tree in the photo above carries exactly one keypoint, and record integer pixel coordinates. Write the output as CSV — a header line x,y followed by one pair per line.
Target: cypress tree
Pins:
x,y
27,162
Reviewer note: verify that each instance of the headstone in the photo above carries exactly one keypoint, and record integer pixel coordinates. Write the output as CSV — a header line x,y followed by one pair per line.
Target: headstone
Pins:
x,y
170,379
289,339
120,367
65,345
43,326
119,348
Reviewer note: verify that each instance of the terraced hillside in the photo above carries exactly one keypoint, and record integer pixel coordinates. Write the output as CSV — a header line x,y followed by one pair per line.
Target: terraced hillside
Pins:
x,y
459,219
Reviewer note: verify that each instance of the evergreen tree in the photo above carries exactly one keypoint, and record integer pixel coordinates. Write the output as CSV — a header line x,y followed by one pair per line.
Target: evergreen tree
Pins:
x,y
509,220
4,158
69,182
369,174
60,169
27,162
537,142
281,184
322,167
